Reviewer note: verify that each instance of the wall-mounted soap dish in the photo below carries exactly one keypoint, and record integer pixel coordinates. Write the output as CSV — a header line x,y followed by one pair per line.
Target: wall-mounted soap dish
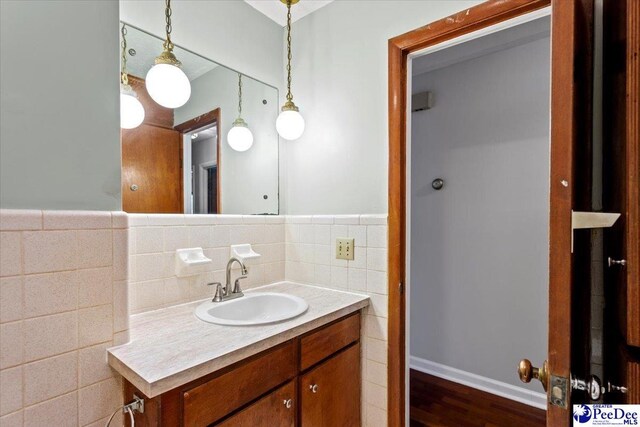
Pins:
x,y
244,252
190,262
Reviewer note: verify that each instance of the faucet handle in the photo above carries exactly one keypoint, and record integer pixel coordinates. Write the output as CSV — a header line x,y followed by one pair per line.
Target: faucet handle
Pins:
x,y
236,286
219,293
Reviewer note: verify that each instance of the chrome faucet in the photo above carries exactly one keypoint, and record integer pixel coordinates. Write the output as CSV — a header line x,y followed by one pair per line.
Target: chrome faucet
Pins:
x,y
236,288
226,293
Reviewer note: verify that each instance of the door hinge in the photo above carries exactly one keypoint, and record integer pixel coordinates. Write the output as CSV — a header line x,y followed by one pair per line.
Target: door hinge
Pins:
x,y
401,288
558,392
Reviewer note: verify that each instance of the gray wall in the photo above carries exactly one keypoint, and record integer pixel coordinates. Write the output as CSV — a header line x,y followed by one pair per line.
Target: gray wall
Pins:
x,y
59,105
479,247
339,166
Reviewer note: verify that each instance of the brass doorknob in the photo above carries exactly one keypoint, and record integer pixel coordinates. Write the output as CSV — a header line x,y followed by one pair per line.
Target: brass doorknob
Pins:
x,y
526,371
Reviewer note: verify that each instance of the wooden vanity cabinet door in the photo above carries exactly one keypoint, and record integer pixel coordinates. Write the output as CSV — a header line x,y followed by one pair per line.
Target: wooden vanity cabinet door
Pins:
x,y
215,399
277,409
330,392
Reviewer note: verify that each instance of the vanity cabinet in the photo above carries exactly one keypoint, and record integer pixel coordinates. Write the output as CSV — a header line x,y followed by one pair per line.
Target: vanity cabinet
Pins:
x,y
311,380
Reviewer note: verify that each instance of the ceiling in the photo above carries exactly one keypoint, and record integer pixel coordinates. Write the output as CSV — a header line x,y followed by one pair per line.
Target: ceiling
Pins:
x,y
275,10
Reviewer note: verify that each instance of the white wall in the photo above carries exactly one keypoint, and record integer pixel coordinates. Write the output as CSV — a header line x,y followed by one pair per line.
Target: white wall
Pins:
x,y
229,32
340,85
249,175
59,108
479,246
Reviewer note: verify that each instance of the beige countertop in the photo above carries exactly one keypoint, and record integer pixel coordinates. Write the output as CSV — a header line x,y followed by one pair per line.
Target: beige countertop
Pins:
x,y
171,347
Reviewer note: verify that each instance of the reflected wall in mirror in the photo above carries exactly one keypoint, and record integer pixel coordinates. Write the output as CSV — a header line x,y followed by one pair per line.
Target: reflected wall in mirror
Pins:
x,y
179,160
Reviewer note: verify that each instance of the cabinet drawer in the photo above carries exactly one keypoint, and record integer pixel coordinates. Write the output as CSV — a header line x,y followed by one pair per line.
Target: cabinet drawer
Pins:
x,y
218,397
320,344
277,409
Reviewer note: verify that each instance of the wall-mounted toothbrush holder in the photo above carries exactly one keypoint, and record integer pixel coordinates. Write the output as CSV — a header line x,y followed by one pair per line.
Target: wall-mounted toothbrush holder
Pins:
x,y
244,252
190,262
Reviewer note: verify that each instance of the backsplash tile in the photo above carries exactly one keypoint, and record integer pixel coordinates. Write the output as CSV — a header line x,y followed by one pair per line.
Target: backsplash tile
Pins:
x,y
153,282
63,301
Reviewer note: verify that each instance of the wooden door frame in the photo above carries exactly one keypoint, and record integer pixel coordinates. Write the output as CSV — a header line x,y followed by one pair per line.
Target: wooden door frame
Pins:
x,y
459,24
201,121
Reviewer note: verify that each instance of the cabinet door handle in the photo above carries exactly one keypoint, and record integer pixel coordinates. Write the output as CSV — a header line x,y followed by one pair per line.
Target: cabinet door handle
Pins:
x,y
313,388
288,403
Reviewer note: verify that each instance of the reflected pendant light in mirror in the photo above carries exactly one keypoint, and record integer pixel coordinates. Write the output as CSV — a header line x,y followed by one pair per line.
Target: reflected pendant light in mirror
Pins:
x,y
290,124
166,83
131,110
240,137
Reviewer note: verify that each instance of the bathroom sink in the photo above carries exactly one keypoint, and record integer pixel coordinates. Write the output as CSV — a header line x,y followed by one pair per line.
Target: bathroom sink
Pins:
x,y
254,308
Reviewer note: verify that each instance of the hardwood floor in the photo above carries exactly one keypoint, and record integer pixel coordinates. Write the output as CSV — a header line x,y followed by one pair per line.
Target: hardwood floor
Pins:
x,y
438,402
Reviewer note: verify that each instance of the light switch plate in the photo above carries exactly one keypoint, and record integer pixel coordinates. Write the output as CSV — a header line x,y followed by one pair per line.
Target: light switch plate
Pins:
x,y
344,249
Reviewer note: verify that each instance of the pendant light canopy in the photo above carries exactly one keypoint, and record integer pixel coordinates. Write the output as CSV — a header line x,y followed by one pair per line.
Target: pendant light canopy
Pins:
x,y
290,123
166,83
240,137
131,110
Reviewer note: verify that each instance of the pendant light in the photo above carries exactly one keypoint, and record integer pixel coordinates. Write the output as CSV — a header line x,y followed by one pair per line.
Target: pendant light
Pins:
x,y
240,137
290,124
166,83
131,110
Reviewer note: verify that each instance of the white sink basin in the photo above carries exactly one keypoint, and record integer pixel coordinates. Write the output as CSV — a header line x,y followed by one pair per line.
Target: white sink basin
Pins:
x,y
254,308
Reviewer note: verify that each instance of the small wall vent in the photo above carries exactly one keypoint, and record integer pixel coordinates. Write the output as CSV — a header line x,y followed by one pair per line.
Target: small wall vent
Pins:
x,y
421,101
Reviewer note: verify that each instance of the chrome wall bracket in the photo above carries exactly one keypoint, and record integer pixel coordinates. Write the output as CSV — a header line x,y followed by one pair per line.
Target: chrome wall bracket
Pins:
x,y
581,220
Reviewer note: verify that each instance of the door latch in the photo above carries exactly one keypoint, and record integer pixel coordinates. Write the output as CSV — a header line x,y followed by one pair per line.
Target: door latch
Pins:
x,y
558,393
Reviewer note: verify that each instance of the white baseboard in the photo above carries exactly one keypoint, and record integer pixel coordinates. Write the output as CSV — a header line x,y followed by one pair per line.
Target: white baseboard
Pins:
x,y
508,391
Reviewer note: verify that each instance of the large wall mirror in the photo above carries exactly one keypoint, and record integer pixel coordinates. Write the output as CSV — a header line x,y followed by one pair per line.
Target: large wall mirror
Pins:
x,y
179,160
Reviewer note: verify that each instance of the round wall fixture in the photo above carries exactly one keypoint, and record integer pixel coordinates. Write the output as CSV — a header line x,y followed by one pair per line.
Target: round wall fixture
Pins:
x,y
437,184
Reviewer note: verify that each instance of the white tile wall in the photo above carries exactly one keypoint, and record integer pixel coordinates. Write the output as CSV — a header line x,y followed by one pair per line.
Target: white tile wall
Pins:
x,y
63,301
155,238
311,258
69,279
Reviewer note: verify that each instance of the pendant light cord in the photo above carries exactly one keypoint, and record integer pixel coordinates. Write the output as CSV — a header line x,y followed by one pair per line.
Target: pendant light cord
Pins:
x,y
239,95
124,77
168,44
289,95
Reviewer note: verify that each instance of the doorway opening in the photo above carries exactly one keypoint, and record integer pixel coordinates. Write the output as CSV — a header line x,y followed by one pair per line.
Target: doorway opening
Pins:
x,y
478,224
201,163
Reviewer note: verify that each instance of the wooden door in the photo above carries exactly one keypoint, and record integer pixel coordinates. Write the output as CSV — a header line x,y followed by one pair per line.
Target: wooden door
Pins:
x,y
151,159
151,170
570,180
330,392
570,185
621,142
277,409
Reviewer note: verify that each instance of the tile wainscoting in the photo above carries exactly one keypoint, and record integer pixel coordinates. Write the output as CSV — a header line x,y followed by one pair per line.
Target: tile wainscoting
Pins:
x,y
63,302
78,275
311,258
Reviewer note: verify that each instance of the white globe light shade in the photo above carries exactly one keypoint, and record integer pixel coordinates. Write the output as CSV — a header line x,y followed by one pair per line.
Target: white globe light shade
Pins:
x,y
168,85
290,125
240,138
131,111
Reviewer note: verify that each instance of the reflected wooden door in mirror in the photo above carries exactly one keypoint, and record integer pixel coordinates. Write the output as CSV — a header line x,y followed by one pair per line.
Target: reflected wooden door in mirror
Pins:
x,y
151,160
